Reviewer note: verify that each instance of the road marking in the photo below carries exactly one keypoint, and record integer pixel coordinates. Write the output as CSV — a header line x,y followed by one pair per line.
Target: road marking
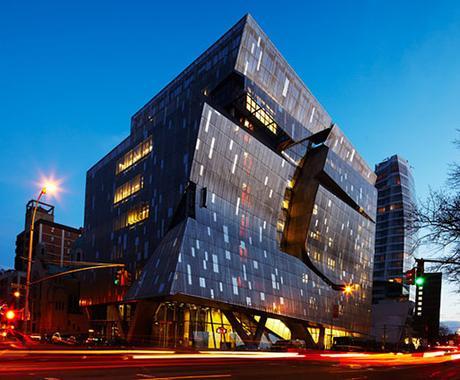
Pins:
x,y
190,377
433,354
88,352
221,355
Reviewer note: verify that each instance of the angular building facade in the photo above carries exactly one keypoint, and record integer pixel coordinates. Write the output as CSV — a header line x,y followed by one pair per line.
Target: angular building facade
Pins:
x,y
238,207
394,244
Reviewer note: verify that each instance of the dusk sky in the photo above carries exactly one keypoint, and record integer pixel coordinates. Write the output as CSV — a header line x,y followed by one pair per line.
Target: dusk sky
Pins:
x,y
73,73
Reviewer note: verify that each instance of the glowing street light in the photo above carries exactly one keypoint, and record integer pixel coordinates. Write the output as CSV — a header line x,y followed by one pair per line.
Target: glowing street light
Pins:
x,y
10,315
50,186
348,289
16,294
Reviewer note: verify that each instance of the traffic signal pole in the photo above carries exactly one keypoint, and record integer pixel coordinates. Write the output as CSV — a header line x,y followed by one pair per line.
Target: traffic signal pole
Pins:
x,y
78,270
422,261
414,276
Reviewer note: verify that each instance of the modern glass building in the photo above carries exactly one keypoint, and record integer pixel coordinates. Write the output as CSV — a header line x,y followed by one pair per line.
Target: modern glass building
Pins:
x,y
238,207
394,244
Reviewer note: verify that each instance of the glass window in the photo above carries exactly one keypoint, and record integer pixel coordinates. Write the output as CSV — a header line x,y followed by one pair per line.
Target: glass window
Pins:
x,y
134,155
129,188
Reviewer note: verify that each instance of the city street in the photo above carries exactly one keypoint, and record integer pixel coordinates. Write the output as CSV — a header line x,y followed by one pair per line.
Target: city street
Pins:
x,y
230,190
144,364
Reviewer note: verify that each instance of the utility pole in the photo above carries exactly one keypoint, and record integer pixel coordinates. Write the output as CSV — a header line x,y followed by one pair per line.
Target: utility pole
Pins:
x,y
29,260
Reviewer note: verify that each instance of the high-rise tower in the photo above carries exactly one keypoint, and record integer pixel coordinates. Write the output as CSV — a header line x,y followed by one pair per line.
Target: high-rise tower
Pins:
x,y
393,243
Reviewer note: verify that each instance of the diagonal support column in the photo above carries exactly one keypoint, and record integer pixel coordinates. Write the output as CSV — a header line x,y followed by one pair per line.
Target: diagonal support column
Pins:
x,y
253,339
260,329
236,325
299,331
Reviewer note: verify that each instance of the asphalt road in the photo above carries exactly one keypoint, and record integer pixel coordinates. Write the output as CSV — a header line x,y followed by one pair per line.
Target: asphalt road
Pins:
x,y
56,366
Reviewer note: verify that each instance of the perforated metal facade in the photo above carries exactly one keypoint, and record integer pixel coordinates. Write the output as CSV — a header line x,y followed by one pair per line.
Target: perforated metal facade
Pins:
x,y
251,192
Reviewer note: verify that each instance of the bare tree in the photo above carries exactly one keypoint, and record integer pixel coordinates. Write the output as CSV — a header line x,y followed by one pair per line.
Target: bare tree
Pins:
x,y
444,330
437,221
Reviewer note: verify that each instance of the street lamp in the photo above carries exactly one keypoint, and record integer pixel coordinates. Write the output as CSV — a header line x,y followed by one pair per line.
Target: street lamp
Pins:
x,y
10,315
348,289
48,187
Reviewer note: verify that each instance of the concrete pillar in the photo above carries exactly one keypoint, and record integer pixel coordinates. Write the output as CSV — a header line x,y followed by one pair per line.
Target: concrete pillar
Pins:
x,y
322,334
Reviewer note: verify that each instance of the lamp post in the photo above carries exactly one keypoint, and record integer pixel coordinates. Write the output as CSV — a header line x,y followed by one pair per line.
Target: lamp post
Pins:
x,y
29,260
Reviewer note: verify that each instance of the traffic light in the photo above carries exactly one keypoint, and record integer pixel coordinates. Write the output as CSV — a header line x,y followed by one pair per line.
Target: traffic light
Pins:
x,y
409,276
123,278
419,277
118,276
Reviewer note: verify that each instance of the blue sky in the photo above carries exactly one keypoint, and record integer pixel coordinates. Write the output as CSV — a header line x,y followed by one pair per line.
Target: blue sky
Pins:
x,y
73,73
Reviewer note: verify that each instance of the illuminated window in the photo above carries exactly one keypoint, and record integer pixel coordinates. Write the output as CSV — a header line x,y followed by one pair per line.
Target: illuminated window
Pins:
x,y
134,155
286,86
235,285
215,264
129,188
133,216
138,214
189,274
331,263
315,235
280,225
316,256
225,229
261,114
396,206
